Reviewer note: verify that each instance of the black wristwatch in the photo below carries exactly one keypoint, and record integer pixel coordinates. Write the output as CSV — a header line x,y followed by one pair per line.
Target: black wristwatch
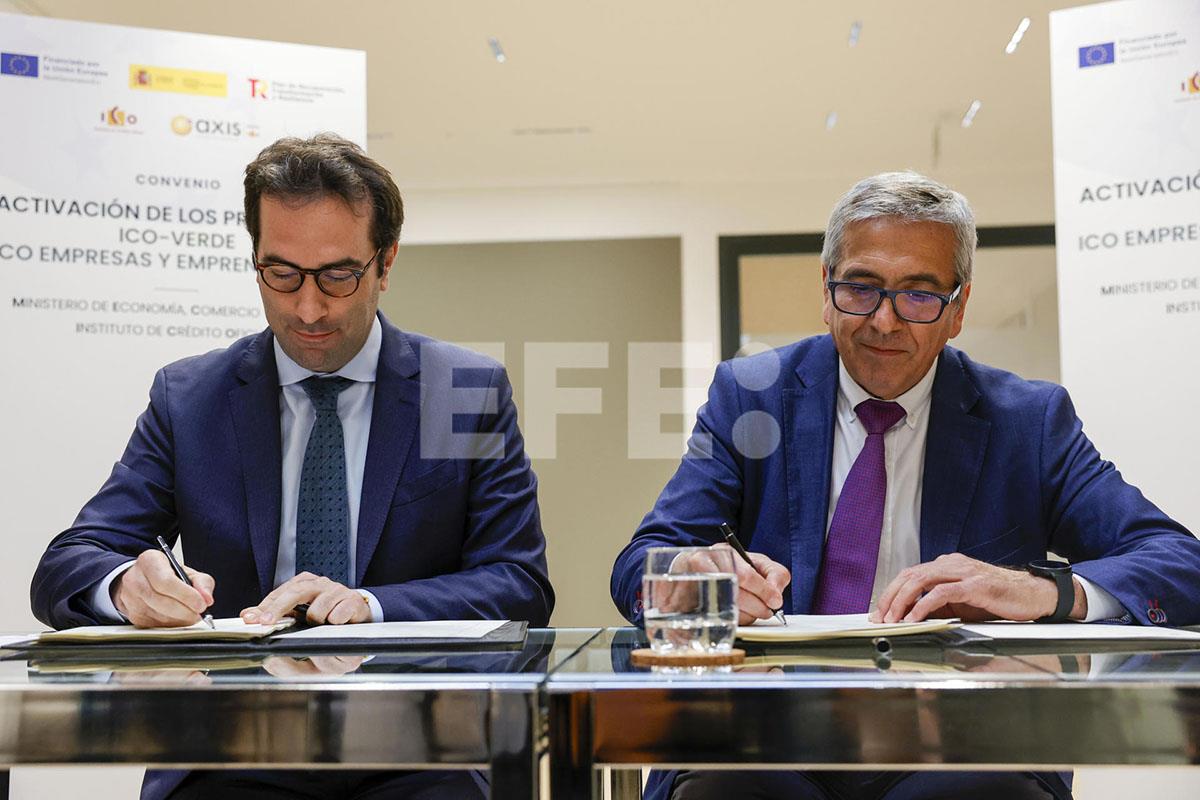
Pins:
x,y
1060,573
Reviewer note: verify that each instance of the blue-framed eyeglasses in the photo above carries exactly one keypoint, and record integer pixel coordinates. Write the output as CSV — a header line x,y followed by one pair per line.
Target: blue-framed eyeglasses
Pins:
x,y
910,305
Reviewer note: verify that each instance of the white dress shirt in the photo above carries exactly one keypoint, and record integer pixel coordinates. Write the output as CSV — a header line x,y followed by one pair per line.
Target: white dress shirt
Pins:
x,y
296,419
904,458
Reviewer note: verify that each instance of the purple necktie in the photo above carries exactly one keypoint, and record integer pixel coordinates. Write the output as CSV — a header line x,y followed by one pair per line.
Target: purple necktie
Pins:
x,y
852,547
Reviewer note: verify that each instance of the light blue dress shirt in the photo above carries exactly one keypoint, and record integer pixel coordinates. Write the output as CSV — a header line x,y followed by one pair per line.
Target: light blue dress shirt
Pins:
x,y
296,418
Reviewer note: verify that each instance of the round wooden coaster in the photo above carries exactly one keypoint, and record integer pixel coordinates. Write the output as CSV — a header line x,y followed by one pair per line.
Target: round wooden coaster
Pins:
x,y
645,657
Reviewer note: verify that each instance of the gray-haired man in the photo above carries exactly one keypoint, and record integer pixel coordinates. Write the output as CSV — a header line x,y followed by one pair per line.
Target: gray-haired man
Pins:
x,y
878,470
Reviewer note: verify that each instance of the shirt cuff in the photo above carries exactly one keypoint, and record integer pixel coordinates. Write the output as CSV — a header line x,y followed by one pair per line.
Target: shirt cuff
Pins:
x,y
1101,605
376,608
100,597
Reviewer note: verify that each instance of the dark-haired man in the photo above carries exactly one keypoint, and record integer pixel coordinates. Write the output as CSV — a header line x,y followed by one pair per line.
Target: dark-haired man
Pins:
x,y
878,470
332,460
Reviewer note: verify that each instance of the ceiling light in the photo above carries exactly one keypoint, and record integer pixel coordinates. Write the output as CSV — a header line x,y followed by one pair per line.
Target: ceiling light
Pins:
x,y
855,32
1022,26
969,117
830,120
497,50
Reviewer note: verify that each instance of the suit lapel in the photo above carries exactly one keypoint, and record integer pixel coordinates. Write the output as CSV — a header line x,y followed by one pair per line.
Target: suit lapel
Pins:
x,y
255,408
808,419
394,421
954,450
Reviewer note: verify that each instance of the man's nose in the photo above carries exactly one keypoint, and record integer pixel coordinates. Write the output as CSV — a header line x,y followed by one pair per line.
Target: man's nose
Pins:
x,y
884,319
311,303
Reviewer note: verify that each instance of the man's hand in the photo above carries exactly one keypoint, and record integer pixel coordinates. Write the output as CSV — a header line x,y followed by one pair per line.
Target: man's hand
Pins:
x,y
760,588
328,602
166,677
284,667
957,586
151,596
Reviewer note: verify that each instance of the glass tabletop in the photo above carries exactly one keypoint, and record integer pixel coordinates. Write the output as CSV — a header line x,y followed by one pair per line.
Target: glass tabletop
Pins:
x,y
601,656
543,650
945,659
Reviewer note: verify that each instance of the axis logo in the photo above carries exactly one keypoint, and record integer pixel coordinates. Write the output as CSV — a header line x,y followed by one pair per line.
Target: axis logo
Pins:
x,y
212,128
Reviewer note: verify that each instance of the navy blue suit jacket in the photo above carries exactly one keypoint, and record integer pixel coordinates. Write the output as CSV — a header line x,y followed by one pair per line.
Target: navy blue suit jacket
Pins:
x,y
449,538
1008,475
438,537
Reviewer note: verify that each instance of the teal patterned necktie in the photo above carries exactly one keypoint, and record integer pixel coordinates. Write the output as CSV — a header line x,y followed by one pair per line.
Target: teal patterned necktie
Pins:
x,y
323,511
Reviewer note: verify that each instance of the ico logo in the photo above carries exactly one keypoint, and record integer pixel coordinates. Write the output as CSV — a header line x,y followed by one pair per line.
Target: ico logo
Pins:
x,y
116,118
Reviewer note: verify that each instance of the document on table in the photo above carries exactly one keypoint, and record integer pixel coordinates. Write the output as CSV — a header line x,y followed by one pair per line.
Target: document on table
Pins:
x,y
367,631
1078,631
816,627
759,662
232,629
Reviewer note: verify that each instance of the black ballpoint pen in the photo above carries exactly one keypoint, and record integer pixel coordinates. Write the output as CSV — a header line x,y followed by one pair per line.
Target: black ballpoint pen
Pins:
x,y
732,540
183,576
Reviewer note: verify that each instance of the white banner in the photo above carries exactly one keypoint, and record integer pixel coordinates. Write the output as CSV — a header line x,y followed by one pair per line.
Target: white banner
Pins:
x,y
122,239
1126,108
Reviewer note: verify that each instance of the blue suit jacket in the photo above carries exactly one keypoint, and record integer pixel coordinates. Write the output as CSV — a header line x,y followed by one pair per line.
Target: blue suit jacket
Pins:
x,y
438,537
1008,475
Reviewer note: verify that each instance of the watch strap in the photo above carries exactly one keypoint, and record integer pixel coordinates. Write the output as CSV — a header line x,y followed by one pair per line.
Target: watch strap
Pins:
x,y
1064,581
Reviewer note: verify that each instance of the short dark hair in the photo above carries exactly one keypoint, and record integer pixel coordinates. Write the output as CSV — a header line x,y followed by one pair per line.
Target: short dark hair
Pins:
x,y
325,164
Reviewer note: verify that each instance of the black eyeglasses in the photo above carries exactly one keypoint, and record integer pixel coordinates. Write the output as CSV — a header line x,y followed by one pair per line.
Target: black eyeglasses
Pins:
x,y
910,305
333,281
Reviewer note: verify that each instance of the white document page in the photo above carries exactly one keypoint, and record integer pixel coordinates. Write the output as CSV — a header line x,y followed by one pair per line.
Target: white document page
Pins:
x,y
431,629
1078,631
230,629
812,627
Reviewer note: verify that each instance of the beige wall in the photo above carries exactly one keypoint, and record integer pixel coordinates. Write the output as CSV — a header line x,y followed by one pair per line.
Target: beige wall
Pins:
x,y
780,297
1012,315
612,292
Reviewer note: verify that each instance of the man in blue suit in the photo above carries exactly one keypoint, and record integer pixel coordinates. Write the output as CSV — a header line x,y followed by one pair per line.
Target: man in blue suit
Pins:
x,y
878,470
332,460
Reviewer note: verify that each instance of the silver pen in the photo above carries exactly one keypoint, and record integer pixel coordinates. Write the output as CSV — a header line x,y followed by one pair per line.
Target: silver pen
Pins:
x,y
183,576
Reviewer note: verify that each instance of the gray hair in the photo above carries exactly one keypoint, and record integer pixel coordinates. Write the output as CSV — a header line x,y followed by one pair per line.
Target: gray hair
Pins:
x,y
908,197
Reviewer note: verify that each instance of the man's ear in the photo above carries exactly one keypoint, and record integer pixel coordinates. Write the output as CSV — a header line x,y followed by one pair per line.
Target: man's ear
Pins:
x,y
827,301
960,309
388,257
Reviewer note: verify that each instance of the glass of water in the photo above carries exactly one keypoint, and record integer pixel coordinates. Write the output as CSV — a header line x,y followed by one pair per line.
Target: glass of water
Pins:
x,y
689,598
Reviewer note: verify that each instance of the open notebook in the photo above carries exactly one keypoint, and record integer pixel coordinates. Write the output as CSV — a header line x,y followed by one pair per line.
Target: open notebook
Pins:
x,y
233,632
818,627
223,630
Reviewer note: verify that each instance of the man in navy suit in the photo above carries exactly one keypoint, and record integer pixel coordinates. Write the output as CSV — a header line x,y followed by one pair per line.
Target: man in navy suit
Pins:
x,y
332,460
878,470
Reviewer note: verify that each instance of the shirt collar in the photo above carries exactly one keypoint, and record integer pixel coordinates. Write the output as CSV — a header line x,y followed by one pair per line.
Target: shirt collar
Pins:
x,y
361,368
915,401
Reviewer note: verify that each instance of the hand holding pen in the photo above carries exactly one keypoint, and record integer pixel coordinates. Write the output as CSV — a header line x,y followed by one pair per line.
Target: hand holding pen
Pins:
x,y
183,576
760,588
151,593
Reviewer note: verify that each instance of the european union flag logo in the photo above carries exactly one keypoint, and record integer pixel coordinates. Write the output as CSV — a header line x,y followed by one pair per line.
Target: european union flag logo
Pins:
x,y
1093,55
18,64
